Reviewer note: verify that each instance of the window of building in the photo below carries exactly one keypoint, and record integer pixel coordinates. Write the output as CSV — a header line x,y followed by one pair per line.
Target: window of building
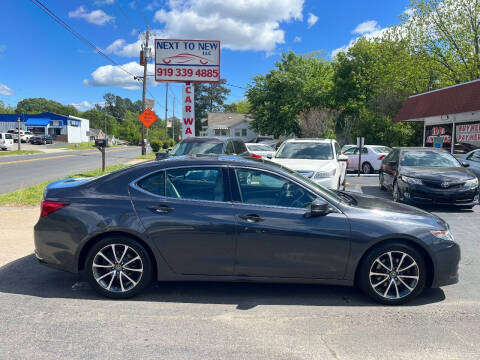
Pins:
x,y
244,132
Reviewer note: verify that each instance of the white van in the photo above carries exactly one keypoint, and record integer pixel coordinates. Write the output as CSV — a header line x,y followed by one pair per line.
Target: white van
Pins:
x,y
6,141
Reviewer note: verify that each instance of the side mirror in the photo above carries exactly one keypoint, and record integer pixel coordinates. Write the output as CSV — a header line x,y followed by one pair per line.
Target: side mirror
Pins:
x,y
342,157
465,164
269,156
319,207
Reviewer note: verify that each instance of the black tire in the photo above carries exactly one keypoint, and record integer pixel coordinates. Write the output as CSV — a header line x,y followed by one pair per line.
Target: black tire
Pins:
x,y
144,279
367,168
380,181
369,262
397,196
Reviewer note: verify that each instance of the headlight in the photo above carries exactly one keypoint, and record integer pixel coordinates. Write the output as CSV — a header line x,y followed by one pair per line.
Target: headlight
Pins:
x,y
411,180
471,184
325,174
443,234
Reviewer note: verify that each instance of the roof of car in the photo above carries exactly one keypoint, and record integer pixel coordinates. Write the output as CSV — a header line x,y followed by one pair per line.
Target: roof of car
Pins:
x,y
206,139
419,148
310,140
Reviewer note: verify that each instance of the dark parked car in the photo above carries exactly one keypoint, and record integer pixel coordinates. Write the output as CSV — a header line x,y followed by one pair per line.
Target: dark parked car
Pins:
x,y
473,159
228,218
211,146
41,139
428,176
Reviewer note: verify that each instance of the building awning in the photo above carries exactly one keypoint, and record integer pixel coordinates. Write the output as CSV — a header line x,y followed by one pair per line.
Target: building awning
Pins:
x,y
37,122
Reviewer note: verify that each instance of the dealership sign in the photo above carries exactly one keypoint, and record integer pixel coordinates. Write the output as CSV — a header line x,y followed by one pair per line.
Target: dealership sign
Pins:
x,y
187,60
468,132
188,123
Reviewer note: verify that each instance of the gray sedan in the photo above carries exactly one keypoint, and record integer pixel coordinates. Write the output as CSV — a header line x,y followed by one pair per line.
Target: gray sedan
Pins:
x,y
473,159
233,219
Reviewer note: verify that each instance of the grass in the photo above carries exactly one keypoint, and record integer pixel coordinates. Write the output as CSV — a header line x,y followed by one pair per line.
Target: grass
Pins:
x,y
21,152
80,146
32,195
149,156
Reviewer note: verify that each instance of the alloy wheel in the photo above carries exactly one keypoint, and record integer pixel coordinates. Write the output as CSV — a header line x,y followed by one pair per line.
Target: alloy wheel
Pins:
x,y
394,275
117,268
396,193
366,168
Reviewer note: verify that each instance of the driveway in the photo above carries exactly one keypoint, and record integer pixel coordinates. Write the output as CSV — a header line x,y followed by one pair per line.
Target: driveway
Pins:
x,y
49,314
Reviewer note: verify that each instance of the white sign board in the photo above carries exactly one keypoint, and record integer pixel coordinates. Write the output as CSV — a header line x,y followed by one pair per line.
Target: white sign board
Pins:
x,y
188,109
187,60
360,141
150,104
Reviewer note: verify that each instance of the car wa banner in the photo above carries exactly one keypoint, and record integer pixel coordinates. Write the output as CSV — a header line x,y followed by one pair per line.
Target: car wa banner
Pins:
x,y
188,109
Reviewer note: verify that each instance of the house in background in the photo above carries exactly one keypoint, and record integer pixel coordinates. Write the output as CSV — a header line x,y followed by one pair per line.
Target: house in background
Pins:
x,y
228,124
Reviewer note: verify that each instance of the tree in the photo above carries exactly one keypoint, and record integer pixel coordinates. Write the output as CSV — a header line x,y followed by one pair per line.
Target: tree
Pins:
x,y
39,105
297,84
242,107
449,32
100,119
318,122
6,109
208,98
117,106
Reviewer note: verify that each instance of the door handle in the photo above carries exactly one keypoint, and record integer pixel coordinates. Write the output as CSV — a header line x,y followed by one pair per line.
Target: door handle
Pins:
x,y
251,218
161,208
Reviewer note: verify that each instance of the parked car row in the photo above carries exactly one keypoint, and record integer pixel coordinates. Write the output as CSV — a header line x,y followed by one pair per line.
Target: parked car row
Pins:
x,y
25,136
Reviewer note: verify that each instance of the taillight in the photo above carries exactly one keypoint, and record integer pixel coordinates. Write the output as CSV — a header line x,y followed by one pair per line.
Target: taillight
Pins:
x,y
381,157
49,207
256,156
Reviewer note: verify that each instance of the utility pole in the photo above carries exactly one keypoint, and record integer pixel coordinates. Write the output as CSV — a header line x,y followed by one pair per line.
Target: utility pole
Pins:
x,y
145,62
18,132
166,111
173,118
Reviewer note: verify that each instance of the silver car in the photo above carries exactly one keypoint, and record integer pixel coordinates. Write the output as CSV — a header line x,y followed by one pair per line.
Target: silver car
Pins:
x,y
473,159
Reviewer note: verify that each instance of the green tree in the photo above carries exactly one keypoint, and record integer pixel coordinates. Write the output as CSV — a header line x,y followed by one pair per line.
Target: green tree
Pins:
x,y
39,105
449,32
297,84
100,119
241,106
6,109
208,98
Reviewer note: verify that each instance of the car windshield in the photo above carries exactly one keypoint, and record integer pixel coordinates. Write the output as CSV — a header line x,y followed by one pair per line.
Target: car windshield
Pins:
x,y
381,149
198,147
306,150
427,158
259,147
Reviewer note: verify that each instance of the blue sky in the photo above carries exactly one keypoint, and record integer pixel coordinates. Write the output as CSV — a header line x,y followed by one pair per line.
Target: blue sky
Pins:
x,y
39,58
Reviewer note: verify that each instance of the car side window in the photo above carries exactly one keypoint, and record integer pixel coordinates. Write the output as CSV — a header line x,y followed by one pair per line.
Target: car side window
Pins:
x,y
364,150
262,188
154,184
337,149
230,148
475,156
351,151
195,184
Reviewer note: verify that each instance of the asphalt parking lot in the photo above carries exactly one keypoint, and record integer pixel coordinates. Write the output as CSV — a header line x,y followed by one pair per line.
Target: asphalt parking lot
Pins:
x,y
50,314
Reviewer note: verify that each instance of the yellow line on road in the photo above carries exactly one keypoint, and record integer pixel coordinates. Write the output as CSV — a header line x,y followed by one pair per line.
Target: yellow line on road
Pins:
x,y
36,159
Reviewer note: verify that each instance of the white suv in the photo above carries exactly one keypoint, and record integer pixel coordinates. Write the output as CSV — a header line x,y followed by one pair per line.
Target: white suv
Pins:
x,y
317,159
6,141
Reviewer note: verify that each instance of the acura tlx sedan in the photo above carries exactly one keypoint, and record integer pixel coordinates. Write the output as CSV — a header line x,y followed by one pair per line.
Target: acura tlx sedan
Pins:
x,y
232,219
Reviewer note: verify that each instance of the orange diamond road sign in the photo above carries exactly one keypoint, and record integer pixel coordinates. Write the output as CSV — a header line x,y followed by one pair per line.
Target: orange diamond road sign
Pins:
x,y
148,117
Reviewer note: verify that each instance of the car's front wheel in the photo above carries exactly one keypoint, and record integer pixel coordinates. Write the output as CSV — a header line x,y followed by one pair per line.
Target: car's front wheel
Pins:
x,y
396,193
392,274
118,267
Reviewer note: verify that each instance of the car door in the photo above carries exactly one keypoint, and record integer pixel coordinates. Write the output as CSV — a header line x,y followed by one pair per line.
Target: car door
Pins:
x,y
474,160
352,154
188,215
275,238
390,168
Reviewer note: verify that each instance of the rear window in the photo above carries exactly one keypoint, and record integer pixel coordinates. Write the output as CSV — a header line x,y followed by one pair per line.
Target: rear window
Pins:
x,y
198,147
381,149
8,136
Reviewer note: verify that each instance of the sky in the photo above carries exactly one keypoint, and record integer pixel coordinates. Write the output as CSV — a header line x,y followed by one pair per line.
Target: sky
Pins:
x,y
39,58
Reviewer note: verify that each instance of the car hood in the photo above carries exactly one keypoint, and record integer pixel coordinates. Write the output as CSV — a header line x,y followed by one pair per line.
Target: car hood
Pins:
x,y
393,211
450,174
306,164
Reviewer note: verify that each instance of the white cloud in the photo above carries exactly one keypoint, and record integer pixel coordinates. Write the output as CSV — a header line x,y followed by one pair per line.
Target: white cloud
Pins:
x,y
82,105
368,29
153,5
5,90
97,17
238,24
312,19
110,75
104,2
297,39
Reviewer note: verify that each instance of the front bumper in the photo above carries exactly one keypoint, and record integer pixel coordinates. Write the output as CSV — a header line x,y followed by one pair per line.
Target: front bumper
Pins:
x,y
447,255
329,182
425,195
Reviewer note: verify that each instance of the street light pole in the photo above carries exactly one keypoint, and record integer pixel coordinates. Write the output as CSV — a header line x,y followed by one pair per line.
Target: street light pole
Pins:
x,y
166,111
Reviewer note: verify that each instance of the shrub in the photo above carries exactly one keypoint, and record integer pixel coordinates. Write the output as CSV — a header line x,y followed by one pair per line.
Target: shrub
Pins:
x,y
166,144
156,145
172,142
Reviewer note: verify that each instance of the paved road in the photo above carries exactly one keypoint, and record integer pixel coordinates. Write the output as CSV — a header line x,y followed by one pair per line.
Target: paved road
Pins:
x,y
48,314
21,171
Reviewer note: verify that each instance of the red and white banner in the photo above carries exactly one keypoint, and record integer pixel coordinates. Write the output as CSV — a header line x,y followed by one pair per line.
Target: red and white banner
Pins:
x,y
188,110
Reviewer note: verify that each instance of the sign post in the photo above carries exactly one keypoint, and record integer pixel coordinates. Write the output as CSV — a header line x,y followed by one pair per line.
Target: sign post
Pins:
x,y
101,144
360,144
187,61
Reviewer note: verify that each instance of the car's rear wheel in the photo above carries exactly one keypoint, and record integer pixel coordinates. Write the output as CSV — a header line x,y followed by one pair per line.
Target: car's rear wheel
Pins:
x,y
118,267
367,168
393,274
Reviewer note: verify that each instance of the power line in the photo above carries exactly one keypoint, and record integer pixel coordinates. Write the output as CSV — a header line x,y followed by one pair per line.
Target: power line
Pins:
x,y
236,86
39,4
